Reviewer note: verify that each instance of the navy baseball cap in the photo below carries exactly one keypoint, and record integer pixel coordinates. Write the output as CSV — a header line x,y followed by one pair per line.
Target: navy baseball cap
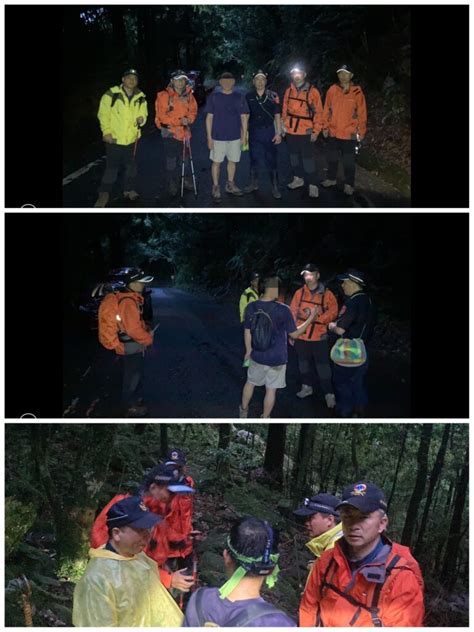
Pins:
x,y
354,275
321,503
167,474
130,71
131,512
345,68
365,497
309,267
176,456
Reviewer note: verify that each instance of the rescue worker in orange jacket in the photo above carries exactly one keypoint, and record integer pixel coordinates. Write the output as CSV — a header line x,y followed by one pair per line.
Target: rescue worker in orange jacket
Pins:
x,y
302,116
312,348
176,109
345,123
134,337
159,487
365,580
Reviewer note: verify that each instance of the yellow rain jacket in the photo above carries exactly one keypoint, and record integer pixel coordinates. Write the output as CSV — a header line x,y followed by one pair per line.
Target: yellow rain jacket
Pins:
x,y
118,116
118,591
322,543
248,296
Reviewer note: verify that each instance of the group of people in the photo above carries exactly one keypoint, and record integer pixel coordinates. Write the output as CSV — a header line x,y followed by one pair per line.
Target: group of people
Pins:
x,y
235,120
313,323
358,578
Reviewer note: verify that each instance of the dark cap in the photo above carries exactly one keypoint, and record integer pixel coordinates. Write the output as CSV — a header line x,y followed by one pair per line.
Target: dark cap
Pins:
x,y
345,68
353,275
130,71
309,267
365,497
179,74
135,275
176,456
131,512
254,275
297,68
259,72
169,475
226,75
321,503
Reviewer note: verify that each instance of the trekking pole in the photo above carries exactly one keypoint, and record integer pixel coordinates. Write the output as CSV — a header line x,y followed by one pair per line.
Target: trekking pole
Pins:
x,y
182,165
192,166
136,140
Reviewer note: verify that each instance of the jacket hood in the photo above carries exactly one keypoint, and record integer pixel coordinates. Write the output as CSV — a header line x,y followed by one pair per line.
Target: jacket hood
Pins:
x,y
325,541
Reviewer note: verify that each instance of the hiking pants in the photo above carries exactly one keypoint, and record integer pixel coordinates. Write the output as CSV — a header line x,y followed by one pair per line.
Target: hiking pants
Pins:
x,y
349,388
262,150
313,355
302,158
132,380
345,148
118,156
173,150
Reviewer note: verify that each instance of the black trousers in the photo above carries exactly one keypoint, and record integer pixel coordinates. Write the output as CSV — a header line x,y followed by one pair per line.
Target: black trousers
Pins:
x,y
262,150
346,149
302,157
173,155
132,379
313,356
118,156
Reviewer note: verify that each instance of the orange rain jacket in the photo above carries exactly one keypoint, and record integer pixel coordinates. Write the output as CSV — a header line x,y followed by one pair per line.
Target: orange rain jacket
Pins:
x,y
303,300
130,312
170,108
345,114
302,111
386,592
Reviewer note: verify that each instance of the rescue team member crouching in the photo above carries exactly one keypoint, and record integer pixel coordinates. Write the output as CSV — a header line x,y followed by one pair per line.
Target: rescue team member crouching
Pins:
x,y
365,580
123,330
122,111
249,295
176,109
345,122
250,559
121,586
264,132
302,121
160,486
312,349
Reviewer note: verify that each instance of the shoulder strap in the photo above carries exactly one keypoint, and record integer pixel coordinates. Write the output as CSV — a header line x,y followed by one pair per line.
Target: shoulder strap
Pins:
x,y
199,594
251,613
374,609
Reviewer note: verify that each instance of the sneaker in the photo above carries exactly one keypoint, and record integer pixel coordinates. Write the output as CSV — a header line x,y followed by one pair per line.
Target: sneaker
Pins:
x,y
330,400
348,190
172,188
243,412
216,192
313,191
231,187
328,183
296,183
306,391
188,184
102,200
131,195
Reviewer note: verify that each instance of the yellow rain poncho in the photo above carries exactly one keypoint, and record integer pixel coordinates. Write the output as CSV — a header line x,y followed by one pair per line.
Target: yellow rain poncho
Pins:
x,y
123,592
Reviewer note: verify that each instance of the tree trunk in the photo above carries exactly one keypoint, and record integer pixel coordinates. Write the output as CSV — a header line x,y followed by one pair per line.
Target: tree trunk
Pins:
x,y
435,473
420,484
355,462
275,452
224,436
301,464
164,439
400,456
448,574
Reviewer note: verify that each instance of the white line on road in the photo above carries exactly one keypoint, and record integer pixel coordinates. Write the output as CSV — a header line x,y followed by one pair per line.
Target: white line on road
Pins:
x,y
81,171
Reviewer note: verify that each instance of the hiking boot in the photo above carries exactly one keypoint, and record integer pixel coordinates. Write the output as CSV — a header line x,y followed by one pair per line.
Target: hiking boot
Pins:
x,y
231,187
243,412
102,200
216,192
348,190
253,184
131,195
172,188
328,183
306,391
136,411
296,183
330,400
313,191
188,184
275,190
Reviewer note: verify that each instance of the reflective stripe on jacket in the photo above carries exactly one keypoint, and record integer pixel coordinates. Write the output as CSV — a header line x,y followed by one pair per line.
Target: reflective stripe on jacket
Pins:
x,y
302,303
118,116
302,111
171,107
386,592
345,114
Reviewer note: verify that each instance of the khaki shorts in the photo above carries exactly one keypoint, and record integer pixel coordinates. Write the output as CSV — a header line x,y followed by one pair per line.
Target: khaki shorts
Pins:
x,y
229,149
263,375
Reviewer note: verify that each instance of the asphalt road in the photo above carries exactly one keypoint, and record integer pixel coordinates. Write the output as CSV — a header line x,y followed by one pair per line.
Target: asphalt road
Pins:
x,y
81,192
194,369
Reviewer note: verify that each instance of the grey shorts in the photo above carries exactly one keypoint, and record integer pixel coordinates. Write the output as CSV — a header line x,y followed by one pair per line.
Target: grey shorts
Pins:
x,y
264,375
229,149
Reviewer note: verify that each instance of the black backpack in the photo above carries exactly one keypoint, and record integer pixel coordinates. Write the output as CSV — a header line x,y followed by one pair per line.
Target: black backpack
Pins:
x,y
262,328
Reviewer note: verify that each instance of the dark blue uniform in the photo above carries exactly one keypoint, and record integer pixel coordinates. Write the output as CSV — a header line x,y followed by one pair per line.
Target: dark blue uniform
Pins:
x,y
262,128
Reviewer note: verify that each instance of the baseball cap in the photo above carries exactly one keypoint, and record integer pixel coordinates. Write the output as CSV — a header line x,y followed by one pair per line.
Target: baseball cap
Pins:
x,y
309,267
258,73
131,512
354,275
179,74
135,275
321,503
345,68
366,497
176,456
130,71
167,474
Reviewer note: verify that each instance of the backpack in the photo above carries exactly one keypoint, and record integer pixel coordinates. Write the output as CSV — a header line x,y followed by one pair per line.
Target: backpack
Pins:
x,y
262,329
240,620
109,321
